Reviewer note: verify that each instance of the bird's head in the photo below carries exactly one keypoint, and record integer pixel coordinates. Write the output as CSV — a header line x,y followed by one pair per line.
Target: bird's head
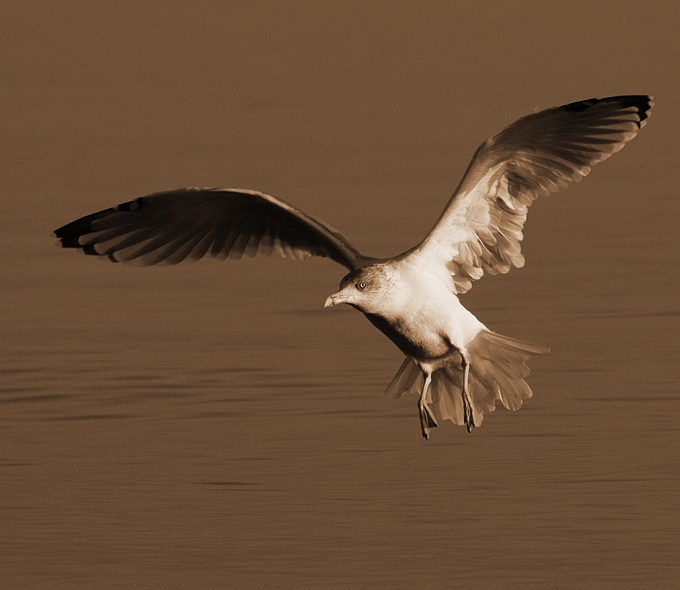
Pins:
x,y
366,288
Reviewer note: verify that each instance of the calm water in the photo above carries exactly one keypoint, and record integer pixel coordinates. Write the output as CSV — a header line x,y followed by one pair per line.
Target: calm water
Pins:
x,y
210,425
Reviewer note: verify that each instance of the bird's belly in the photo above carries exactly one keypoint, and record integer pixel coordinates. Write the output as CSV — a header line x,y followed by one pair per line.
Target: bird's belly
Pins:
x,y
418,341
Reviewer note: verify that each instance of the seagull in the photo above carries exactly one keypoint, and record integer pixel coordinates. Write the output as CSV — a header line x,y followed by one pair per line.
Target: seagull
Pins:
x,y
457,366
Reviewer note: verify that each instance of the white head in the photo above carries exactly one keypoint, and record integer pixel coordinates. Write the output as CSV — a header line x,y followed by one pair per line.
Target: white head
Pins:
x,y
370,289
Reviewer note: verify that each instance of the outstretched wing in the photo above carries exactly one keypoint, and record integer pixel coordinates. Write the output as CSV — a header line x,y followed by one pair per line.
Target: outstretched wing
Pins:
x,y
481,227
169,227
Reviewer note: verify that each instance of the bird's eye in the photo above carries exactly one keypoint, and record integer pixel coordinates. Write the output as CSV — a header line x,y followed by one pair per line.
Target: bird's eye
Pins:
x,y
361,285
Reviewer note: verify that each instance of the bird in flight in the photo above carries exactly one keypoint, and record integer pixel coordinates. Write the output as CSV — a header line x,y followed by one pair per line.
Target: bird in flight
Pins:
x,y
458,367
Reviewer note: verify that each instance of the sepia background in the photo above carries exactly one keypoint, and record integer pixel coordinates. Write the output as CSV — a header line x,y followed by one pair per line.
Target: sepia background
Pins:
x,y
210,425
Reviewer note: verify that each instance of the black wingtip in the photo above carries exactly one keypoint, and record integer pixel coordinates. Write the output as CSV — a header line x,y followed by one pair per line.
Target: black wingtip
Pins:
x,y
70,233
642,102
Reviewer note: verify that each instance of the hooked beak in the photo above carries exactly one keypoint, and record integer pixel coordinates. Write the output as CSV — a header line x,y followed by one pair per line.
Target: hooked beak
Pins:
x,y
337,299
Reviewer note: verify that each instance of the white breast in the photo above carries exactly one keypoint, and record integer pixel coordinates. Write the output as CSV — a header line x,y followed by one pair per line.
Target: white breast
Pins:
x,y
430,304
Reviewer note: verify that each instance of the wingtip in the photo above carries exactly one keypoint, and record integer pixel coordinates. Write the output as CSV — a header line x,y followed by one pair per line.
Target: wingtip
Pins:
x,y
65,238
642,102
647,111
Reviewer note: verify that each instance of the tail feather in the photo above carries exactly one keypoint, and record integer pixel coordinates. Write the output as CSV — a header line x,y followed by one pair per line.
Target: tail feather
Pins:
x,y
498,368
409,378
444,405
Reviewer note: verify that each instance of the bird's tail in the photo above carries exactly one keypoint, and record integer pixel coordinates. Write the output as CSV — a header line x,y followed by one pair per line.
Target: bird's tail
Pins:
x,y
498,368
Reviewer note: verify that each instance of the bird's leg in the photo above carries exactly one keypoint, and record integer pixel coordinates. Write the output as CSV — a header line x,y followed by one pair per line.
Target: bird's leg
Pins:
x,y
468,413
427,419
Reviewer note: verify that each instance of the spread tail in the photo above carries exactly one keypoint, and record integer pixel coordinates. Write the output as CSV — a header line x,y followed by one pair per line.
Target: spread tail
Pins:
x,y
498,367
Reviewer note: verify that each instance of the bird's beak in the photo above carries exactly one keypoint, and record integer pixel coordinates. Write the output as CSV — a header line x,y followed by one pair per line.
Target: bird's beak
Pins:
x,y
337,299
